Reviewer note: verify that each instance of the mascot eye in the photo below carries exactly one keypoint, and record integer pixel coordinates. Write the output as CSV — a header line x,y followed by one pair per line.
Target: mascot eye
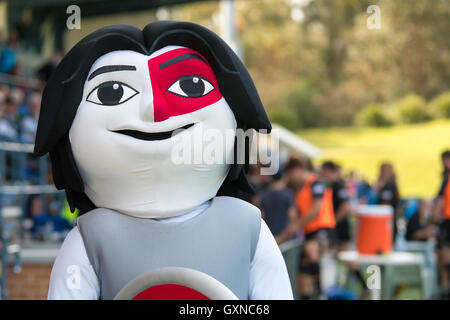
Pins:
x,y
191,87
111,93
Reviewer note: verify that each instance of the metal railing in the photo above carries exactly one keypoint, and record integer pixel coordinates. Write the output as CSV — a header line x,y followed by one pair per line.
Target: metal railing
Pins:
x,y
19,81
14,183
291,252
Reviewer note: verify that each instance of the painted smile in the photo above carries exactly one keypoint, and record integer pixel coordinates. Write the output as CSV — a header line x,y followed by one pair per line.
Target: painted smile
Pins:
x,y
152,136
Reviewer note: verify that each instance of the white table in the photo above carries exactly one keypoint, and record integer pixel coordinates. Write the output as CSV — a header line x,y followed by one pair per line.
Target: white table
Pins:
x,y
393,258
385,263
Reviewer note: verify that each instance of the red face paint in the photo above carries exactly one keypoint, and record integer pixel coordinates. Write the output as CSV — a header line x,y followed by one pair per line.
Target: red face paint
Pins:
x,y
164,72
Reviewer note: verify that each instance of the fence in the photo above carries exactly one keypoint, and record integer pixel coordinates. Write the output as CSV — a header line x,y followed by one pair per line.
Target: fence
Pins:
x,y
15,187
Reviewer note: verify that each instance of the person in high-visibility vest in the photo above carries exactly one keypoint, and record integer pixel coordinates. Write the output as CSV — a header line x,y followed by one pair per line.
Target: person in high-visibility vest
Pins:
x,y
314,201
441,215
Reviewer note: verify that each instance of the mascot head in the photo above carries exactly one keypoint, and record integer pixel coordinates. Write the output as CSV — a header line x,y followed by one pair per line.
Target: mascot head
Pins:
x,y
123,99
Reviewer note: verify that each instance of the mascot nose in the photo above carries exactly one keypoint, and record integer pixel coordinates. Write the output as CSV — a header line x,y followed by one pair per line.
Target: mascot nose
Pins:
x,y
153,109
147,108
160,108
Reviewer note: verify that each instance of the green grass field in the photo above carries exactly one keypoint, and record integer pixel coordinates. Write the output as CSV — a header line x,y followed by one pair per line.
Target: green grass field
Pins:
x,y
413,149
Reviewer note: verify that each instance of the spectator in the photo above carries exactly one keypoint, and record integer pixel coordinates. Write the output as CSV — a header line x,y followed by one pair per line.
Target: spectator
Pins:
x,y
342,209
8,125
29,123
386,186
18,97
27,33
4,93
46,70
364,191
258,182
441,212
386,190
352,186
2,39
8,54
46,224
278,208
419,227
441,215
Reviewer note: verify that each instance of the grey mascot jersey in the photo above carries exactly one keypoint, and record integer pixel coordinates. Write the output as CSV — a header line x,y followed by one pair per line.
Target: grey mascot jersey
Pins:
x,y
220,242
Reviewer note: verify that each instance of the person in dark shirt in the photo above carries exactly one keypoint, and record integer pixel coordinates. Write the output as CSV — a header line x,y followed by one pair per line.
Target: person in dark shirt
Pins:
x,y
46,224
342,209
386,186
9,129
441,216
419,227
387,191
258,182
441,212
46,70
278,208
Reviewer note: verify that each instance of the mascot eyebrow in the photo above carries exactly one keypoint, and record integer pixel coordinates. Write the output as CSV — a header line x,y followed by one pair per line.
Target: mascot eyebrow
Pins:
x,y
111,68
183,57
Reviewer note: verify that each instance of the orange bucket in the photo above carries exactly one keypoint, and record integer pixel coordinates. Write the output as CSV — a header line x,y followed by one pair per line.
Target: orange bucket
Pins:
x,y
374,232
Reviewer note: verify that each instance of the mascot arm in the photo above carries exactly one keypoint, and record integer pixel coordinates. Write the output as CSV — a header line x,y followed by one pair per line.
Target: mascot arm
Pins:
x,y
269,278
73,277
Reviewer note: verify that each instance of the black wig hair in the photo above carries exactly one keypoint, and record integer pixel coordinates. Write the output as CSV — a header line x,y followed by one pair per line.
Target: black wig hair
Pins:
x,y
63,93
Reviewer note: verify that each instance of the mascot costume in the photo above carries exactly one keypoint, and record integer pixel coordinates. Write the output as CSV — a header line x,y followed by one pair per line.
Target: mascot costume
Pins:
x,y
149,228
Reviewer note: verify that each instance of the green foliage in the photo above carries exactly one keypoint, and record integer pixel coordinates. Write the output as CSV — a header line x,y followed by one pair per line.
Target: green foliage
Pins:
x,y
331,48
412,109
296,109
441,105
373,116
284,117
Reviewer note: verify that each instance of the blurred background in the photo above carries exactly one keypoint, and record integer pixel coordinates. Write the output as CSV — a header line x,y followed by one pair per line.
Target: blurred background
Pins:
x,y
359,91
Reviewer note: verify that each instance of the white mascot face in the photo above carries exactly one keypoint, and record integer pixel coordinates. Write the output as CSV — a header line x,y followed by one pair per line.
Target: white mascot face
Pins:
x,y
123,136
